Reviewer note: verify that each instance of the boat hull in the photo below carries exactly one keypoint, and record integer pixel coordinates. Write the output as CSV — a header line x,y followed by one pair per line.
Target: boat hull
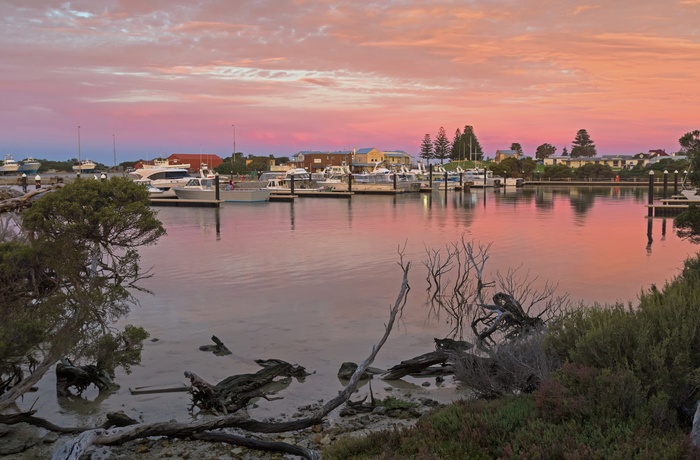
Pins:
x,y
229,196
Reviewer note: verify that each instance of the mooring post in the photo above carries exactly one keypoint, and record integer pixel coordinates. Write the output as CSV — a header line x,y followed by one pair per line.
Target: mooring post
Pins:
x,y
350,182
291,187
651,193
430,169
461,185
216,187
394,181
665,182
675,182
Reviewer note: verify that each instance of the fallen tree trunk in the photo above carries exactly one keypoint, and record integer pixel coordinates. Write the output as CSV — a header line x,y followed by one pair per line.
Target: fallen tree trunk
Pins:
x,y
417,364
233,393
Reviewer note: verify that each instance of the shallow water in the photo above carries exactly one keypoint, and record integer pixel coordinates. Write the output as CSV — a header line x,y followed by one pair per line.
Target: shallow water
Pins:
x,y
311,283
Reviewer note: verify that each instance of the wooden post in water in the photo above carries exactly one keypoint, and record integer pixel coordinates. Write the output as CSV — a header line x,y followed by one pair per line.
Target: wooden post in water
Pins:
x,y
675,182
665,182
430,168
350,182
394,181
445,185
217,195
651,193
461,185
291,187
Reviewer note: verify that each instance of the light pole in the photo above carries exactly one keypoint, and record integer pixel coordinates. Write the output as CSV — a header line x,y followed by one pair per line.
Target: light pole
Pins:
x,y
79,165
233,155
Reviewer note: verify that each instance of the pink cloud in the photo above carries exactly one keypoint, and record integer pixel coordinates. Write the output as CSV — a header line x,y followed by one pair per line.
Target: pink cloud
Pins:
x,y
297,75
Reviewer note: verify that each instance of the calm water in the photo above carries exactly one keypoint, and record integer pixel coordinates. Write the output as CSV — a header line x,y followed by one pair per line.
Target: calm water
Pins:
x,y
311,282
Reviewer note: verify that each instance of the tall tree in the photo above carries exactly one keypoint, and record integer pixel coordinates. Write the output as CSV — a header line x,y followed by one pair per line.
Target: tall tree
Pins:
x,y
545,151
426,149
471,144
690,146
517,147
457,149
67,276
441,145
582,145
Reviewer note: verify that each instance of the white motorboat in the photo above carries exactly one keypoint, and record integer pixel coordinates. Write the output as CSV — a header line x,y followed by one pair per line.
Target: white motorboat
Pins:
x,y
84,166
482,178
9,165
164,164
162,178
203,188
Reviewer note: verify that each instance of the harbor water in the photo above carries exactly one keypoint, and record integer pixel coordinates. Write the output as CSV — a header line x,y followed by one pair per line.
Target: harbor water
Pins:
x,y
311,282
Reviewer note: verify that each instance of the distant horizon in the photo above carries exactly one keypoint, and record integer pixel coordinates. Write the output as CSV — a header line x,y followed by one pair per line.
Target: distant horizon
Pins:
x,y
274,78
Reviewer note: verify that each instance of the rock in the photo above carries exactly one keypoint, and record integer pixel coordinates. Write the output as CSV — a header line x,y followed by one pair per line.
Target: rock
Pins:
x,y
19,438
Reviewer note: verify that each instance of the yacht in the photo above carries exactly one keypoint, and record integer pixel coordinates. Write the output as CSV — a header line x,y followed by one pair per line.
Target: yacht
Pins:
x,y
9,165
203,188
162,178
164,164
29,166
85,166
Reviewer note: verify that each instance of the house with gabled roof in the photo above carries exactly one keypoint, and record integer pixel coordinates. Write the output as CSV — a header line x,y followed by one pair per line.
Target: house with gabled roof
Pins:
x,y
503,154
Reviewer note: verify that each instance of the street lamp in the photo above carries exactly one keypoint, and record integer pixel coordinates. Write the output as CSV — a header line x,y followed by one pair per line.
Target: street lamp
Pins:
x,y
233,155
79,165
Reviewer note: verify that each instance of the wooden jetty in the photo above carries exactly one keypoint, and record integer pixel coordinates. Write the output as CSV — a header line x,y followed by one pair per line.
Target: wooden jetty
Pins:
x,y
669,207
177,202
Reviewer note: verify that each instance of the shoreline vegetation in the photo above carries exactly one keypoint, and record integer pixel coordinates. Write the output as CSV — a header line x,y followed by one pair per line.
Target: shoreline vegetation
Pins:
x,y
627,388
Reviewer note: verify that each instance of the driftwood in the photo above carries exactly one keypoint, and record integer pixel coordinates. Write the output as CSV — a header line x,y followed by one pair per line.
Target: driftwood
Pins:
x,y
233,393
75,448
17,203
423,365
219,349
79,377
418,365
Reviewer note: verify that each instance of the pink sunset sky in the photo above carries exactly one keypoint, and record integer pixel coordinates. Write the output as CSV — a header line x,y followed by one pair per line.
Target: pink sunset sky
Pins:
x,y
174,76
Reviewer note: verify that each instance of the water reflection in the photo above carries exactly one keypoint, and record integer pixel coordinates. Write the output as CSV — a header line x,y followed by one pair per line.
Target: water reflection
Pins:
x,y
308,282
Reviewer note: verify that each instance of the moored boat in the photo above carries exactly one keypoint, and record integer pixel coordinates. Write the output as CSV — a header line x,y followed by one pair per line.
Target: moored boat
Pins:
x,y
29,166
203,188
162,178
85,166
9,165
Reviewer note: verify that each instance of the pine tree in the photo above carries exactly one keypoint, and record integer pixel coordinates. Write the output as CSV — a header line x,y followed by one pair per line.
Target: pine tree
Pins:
x,y
457,149
582,145
441,145
426,149
471,144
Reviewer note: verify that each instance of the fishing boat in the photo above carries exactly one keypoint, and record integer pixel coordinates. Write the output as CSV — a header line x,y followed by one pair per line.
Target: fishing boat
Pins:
x,y
9,165
29,166
204,188
85,166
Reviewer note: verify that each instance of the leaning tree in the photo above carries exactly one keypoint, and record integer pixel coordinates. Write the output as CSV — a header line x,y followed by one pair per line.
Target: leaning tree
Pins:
x,y
69,266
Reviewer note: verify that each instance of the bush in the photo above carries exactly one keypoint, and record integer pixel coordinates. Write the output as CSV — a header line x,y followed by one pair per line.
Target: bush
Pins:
x,y
659,342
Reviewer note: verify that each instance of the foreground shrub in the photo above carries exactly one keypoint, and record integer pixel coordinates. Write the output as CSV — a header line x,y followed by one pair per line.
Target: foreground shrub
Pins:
x,y
518,428
659,341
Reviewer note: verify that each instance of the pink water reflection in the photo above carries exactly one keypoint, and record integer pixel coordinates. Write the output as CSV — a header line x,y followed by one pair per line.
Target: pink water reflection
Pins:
x,y
311,282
